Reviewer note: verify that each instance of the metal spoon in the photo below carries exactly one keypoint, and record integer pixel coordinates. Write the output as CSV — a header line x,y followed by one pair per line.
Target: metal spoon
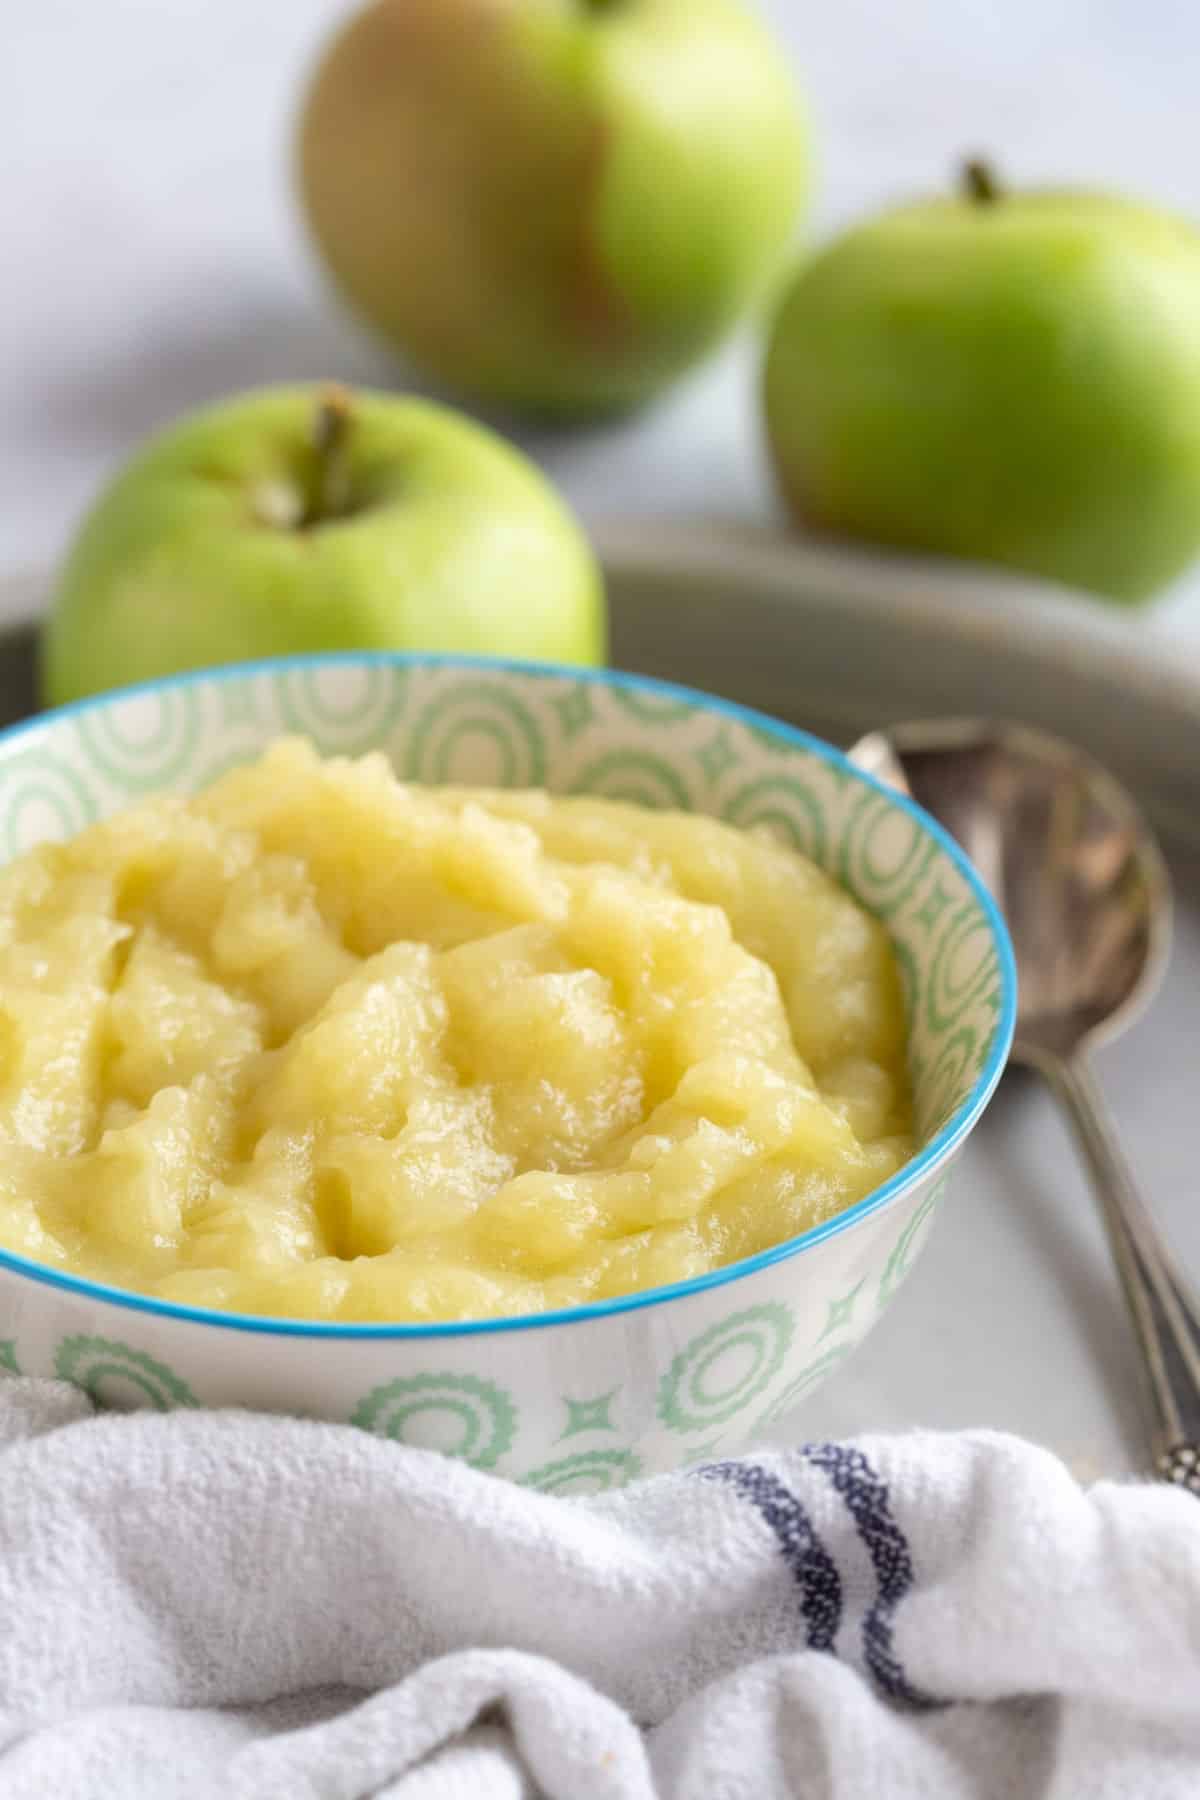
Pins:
x,y
1085,891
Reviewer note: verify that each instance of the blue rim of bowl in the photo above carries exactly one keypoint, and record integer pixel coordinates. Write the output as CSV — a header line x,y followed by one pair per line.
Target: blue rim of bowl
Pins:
x,y
935,1152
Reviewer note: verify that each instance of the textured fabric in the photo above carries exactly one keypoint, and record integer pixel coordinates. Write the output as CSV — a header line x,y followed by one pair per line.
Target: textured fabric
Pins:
x,y
217,1604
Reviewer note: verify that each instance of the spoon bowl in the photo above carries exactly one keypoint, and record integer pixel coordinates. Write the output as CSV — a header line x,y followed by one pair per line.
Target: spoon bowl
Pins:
x,y
1087,897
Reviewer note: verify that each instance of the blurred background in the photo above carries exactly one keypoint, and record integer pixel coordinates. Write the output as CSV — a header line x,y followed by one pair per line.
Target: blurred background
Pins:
x,y
154,256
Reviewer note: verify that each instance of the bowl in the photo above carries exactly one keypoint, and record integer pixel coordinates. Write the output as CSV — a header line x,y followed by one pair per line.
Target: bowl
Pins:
x,y
581,1400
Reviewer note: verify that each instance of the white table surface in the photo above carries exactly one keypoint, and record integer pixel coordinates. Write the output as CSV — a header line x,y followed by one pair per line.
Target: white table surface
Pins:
x,y
152,259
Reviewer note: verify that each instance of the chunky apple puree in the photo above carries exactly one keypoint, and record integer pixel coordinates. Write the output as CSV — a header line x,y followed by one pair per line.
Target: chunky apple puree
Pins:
x,y
322,1044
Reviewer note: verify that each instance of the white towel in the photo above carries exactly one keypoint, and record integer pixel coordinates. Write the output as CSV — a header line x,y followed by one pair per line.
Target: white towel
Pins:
x,y
251,1608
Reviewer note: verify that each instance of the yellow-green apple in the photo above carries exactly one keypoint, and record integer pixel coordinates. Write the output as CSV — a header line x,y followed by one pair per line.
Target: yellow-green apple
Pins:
x,y
308,518
558,205
1004,376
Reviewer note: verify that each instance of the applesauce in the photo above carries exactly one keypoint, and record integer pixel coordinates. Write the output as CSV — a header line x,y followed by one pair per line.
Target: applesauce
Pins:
x,y
318,1043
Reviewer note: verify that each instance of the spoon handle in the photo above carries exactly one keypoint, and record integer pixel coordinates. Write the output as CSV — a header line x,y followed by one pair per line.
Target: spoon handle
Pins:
x,y
1166,1316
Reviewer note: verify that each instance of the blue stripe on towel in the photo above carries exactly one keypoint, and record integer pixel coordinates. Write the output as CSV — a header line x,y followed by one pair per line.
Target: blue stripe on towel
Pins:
x,y
811,1565
866,1496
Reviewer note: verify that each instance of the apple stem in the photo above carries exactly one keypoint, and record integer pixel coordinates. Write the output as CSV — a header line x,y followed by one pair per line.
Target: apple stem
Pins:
x,y
980,183
331,424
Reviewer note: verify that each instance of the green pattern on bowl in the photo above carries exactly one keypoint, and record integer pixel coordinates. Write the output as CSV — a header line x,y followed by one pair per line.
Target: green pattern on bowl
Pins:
x,y
458,1414
904,1251
725,1369
586,1472
589,1415
114,1375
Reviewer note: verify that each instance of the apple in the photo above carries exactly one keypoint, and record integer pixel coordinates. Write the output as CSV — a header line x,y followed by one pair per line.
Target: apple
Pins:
x,y
307,518
557,207
1008,377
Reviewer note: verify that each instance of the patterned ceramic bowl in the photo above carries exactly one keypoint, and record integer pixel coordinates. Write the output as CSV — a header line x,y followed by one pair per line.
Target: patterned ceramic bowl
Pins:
x,y
576,1401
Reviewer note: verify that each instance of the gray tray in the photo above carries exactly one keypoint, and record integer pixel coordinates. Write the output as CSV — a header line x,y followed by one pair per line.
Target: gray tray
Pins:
x,y
1012,1319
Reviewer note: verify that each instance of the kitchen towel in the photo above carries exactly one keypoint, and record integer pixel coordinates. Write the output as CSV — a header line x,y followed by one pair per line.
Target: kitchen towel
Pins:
x,y
217,1604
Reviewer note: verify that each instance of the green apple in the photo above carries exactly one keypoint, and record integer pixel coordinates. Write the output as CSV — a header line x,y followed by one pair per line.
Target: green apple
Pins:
x,y
303,519
558,205
1011,377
